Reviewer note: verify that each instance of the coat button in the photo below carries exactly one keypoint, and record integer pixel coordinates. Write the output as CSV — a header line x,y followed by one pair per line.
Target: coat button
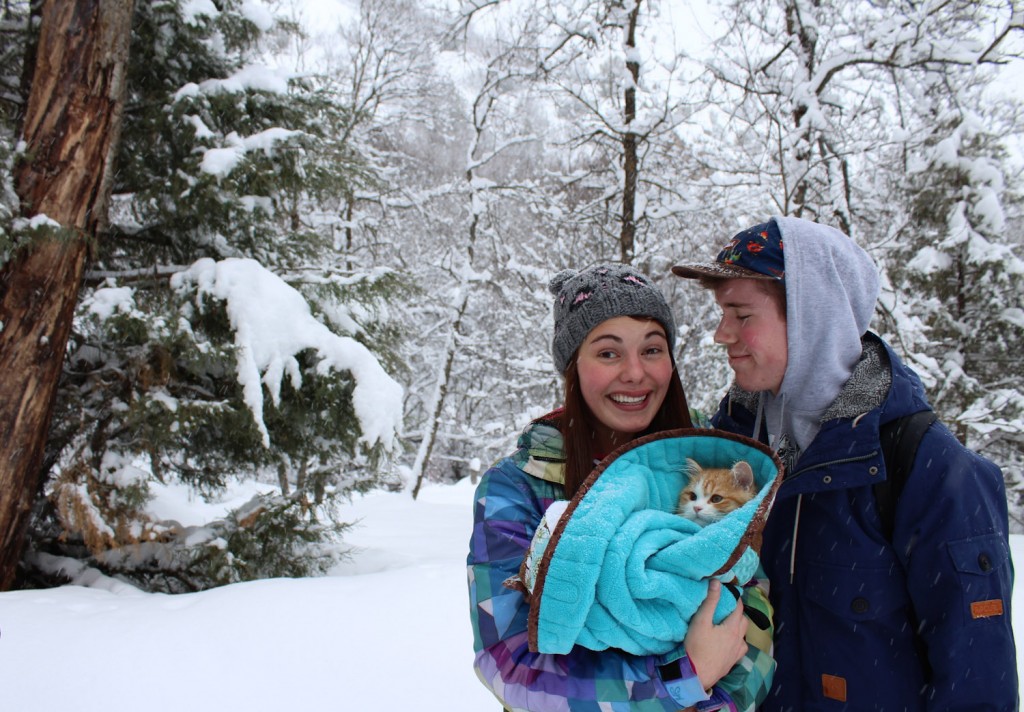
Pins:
x,y
860,605
984,562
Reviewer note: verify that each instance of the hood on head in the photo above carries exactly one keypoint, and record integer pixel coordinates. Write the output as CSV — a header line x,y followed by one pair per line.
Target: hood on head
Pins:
x,y
832,285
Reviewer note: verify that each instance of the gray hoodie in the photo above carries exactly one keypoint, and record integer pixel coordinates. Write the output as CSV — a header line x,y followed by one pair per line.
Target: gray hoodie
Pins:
x,y
831,288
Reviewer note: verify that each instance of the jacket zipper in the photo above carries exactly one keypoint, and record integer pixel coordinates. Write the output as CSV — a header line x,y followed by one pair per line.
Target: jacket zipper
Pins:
x,y
800,499
842,461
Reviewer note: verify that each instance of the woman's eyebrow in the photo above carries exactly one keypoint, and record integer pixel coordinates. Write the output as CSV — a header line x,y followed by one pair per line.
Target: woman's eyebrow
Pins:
x,y
603,337
653,333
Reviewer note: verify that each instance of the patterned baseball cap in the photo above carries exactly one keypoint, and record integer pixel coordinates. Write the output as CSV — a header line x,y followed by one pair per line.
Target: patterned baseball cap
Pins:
x,y
587,298
755,253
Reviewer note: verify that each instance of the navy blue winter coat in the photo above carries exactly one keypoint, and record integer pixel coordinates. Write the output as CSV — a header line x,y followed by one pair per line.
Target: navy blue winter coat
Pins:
x,y
919,623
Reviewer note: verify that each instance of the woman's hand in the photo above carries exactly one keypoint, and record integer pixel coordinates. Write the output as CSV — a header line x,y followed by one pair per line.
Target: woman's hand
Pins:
x,y
714,649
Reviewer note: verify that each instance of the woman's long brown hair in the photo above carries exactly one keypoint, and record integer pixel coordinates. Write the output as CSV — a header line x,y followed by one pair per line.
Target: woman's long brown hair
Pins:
x,y
578,427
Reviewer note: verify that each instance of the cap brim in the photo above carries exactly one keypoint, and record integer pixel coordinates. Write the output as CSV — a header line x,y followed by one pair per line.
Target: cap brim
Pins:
x,y
717,270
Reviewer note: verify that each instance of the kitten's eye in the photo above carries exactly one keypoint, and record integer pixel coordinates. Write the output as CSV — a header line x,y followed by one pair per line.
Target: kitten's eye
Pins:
x,y
692,496
715,498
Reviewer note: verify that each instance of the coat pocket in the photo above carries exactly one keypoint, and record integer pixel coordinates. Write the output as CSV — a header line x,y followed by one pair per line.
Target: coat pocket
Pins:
x,y
982,564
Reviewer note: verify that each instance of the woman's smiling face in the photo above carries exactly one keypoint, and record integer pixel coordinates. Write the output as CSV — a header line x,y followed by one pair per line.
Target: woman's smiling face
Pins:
x,y
624,367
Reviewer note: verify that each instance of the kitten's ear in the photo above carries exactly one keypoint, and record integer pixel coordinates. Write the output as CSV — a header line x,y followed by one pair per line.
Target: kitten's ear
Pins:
x,y
743,474
692,469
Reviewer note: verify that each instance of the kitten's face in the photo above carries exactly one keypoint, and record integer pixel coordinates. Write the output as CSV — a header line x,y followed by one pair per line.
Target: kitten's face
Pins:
x,y
714,492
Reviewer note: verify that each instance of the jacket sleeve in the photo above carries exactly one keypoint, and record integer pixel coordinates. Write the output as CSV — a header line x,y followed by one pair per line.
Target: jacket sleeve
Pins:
x,y
507,510
951,534
748,683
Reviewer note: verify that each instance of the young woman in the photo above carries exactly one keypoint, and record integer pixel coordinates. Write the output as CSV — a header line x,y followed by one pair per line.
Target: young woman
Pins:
x,y
916,618
613,341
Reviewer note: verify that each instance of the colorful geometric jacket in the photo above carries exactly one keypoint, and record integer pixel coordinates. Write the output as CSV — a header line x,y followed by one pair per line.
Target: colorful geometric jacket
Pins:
x,y
510,502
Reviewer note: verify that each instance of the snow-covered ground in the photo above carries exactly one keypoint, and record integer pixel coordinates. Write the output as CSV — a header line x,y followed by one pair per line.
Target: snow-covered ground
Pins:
x,y
388,631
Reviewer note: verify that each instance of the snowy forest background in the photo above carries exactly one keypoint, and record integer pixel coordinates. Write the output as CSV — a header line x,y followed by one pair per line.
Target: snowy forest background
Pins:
x,y
333,222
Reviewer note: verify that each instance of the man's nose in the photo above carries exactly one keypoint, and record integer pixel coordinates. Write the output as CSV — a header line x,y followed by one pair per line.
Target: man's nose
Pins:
x,y
724,332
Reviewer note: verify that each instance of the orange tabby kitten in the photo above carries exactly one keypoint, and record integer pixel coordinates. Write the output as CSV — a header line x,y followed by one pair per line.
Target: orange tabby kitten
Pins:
x,y
713,492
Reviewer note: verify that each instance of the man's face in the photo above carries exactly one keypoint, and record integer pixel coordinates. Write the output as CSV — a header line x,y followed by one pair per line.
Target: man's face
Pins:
x,y
753,330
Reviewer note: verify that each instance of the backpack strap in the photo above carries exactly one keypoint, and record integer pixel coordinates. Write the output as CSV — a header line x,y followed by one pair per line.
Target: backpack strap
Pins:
x,y
900,439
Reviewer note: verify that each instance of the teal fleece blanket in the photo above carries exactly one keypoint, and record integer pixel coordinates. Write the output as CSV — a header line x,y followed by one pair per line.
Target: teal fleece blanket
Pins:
x,y
619,569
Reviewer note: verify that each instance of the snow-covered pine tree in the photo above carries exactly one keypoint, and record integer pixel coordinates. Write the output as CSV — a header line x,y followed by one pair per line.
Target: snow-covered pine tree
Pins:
x,y
957,270
201,352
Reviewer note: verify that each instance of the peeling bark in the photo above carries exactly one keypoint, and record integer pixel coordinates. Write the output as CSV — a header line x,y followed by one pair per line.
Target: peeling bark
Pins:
x,y
71,128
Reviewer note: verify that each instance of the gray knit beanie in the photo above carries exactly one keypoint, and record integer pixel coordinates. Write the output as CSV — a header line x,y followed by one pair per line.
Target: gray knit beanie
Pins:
x,y
585,299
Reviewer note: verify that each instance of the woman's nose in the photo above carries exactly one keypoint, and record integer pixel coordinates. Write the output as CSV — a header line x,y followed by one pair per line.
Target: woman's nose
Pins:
x,y
632,368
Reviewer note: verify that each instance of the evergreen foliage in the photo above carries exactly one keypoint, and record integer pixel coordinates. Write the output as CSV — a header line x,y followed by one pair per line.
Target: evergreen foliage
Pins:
x,y
960,276
220,159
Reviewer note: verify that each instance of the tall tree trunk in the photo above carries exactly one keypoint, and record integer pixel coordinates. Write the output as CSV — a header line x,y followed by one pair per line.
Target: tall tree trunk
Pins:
x,y
630,161
435,405
71,127
797,201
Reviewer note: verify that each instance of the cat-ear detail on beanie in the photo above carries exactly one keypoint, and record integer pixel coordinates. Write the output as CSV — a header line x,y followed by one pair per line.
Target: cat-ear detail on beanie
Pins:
x,y
559,280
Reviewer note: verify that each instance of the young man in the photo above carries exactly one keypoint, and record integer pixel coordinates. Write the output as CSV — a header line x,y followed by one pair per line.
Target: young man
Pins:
x,y
866,619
